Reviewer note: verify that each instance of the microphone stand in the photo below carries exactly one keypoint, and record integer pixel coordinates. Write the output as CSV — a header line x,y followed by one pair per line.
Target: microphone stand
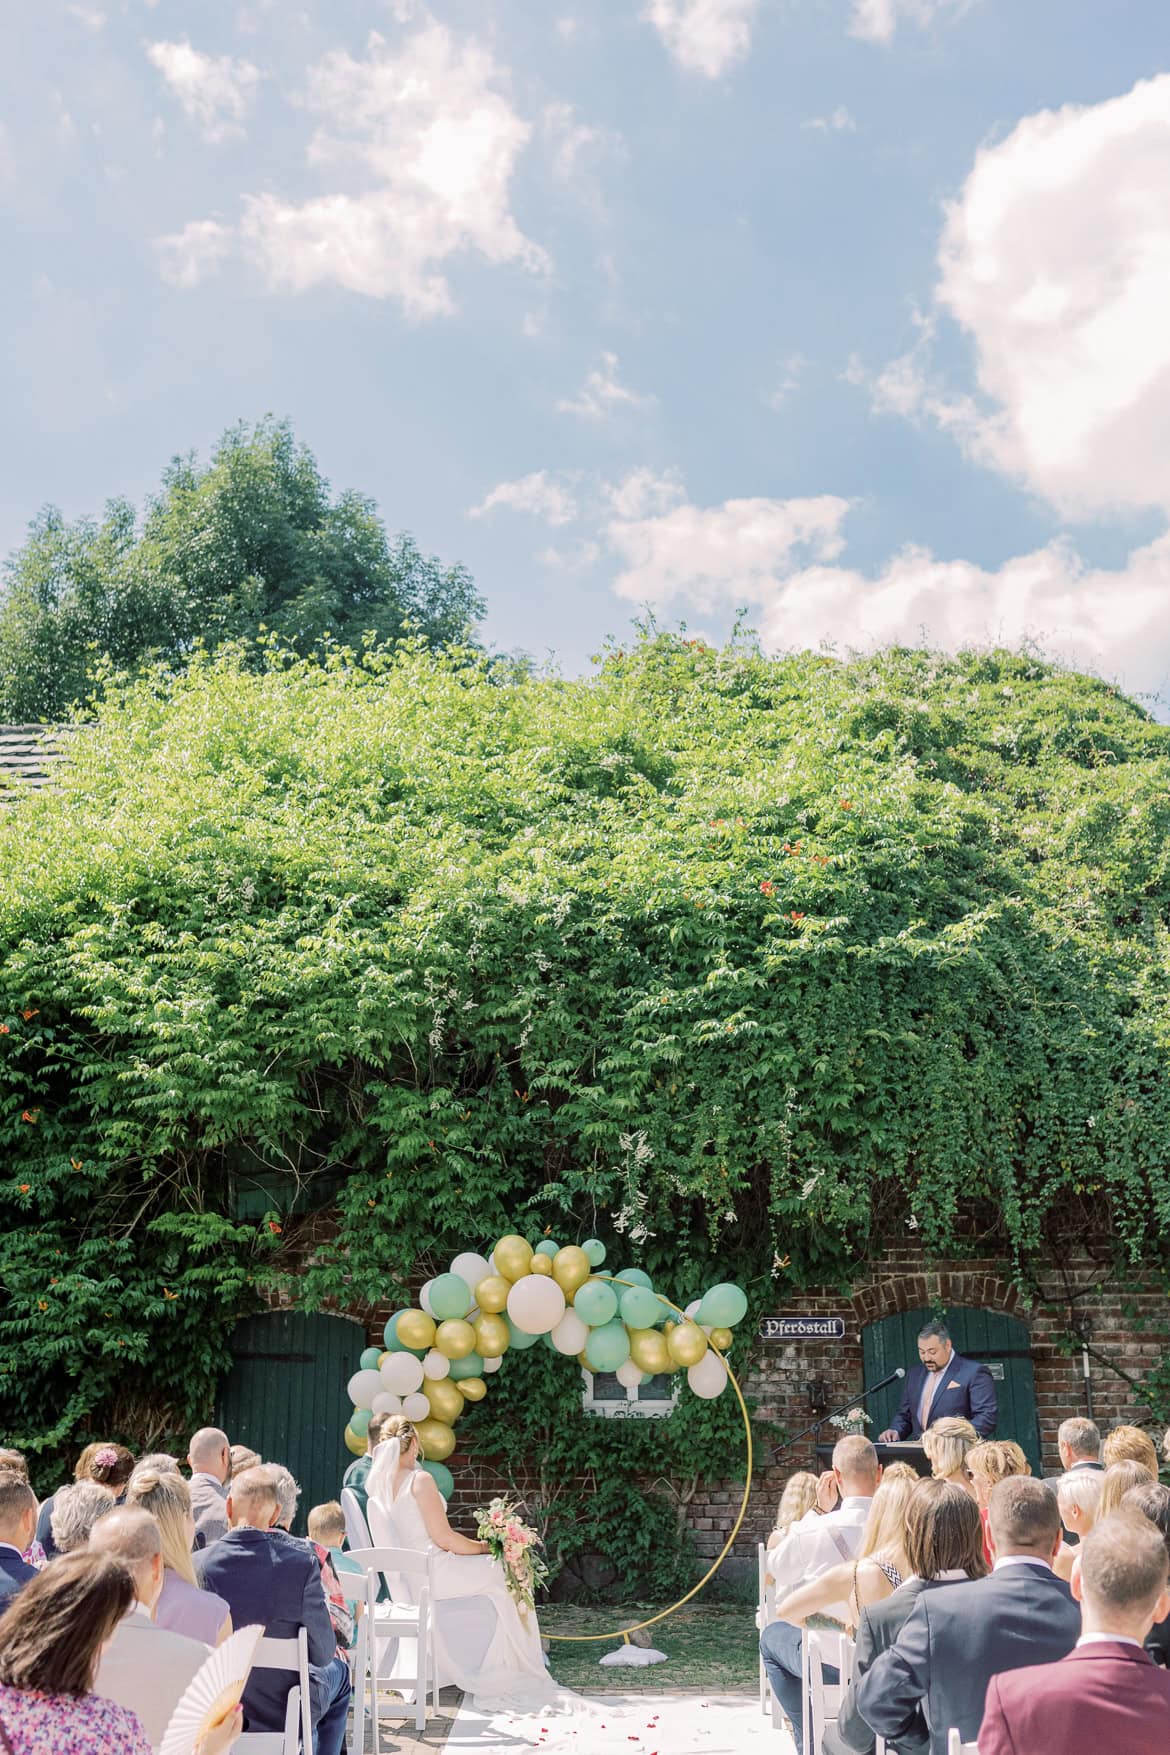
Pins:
x,y
813,1431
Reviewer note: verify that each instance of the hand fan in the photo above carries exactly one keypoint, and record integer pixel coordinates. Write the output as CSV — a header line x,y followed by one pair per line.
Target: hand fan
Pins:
x,y
215,1690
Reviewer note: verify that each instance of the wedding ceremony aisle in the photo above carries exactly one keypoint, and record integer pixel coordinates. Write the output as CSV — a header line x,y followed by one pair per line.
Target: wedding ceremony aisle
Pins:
x,y
648,1724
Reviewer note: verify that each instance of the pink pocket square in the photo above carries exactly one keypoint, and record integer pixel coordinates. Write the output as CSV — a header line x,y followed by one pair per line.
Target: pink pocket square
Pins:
x,y
954,1384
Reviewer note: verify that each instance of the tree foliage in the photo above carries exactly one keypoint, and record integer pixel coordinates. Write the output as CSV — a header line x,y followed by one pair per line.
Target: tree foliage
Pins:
x,y
252,541
741,963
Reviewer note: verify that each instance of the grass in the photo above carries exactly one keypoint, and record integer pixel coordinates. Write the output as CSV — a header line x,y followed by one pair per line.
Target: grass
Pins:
x,y
710,1646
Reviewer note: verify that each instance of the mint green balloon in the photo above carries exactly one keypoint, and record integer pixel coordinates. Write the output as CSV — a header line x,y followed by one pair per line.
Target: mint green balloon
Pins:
x,y
639,1308
369,1359
723,1306
595,1250
608,1347
548,1247
635,1277
520,1340
442,1477
472,1366
596,1303
393,1344
359,1421
667,1314
450,1297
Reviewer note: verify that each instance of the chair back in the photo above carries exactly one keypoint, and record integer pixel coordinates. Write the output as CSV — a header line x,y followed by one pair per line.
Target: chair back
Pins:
x,y
357,1530
823,1699
956,1745
407,1571
290,1654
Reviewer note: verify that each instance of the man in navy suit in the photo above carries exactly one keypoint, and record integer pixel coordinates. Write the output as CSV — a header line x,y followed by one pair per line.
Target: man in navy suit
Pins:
x,y
943,1385
18,1522
268,1577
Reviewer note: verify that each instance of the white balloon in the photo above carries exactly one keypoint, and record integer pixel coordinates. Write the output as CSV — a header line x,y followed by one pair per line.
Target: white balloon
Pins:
x,y
385,1403
471,1267
416,1407
709,1376
536,1304
693,1306
424,1298
436,1365
629,1374
570,1334
490,1365
400,1373
363,1387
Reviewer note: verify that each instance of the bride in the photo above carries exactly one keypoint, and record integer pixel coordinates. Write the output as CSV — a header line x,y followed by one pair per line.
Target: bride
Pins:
x,y
406,1510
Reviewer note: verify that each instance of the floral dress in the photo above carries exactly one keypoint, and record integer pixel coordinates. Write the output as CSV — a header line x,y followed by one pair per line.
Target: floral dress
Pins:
x,y
51,1724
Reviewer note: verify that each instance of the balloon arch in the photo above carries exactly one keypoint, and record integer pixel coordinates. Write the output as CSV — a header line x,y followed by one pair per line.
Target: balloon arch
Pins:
x,y
438,1357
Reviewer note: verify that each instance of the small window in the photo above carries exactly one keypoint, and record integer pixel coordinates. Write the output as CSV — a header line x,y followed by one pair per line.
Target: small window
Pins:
x,y
604,1394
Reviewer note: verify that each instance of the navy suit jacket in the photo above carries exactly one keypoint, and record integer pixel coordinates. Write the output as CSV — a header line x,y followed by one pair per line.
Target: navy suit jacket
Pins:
x,y
956,1640
966,1389
269,1578
14,1572
1102,1696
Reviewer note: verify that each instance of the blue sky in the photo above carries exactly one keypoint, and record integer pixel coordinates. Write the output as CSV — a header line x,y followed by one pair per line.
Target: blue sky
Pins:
x,y
848,312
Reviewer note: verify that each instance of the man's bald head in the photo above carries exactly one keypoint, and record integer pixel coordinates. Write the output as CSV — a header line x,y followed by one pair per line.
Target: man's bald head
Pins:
x,y
254,1500
132,1536
210,1454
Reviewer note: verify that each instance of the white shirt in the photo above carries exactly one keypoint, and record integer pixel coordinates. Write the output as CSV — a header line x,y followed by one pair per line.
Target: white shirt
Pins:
x,y
1021,1560
1110,1638
148,1669
817,1544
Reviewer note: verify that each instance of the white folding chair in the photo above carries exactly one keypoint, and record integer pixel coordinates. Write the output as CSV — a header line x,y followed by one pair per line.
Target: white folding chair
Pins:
x,y
822,1700
383,1625
296,1737
357,1530
765,1615
956,1745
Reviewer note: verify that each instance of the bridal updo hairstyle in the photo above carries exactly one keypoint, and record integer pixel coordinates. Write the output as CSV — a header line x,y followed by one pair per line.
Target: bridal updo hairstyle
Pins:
x,y
398,1426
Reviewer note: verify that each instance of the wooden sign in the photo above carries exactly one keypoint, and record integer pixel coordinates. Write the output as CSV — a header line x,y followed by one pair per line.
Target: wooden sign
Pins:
x,y
802,1328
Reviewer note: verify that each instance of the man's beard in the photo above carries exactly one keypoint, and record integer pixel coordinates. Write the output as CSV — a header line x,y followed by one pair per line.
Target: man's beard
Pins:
x,y
930,1366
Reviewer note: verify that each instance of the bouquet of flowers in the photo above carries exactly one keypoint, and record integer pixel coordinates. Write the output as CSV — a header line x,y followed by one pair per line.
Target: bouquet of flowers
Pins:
x,y
856,1420
516,1546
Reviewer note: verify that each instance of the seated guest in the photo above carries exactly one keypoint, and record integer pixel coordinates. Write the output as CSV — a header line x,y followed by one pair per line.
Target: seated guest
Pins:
x,y
1130,1444
14,1462
242,1458
1106,1694
946,1444
357,1474
944,1545
75,1511
144,1667
1116,1482
51,1640
956,1639
107,1464
876,1572
993,1460
210,1459
267,1576
288,1495
811,1548
797,1500
1078,1442
1153,1501
182,1607
1078,1494
155,1462
18,1520
326,1524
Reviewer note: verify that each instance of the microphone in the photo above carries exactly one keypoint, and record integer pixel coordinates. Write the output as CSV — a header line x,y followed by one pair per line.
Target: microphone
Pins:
x,y
899,1372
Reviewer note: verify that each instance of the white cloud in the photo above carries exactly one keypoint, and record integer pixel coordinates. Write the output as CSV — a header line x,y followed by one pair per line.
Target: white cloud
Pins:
x,y
189,256
704,36
215,91
838,121
603,393
792,370
429,145
92,17
1056,262
643,492
876,21
735,553
572,140
538,494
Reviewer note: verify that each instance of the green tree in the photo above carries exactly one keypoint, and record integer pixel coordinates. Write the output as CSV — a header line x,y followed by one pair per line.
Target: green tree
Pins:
x,y
252,542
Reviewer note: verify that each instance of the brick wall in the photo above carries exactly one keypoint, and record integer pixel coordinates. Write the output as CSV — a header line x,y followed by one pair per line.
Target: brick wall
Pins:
x,y
902,1278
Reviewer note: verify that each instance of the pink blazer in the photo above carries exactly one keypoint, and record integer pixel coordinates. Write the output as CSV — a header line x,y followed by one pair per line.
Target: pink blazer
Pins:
x,y
1101,1697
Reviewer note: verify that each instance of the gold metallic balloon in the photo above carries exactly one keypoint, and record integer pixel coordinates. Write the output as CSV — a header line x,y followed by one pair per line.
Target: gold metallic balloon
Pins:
x,y
570,1269
512,1256
416,1330
721,1339
492,1294
446,1403
473,1389
540,1264
382,1358
687,1344
492,1337
357,1445
455,1338
649,1351
436,1440
669,1327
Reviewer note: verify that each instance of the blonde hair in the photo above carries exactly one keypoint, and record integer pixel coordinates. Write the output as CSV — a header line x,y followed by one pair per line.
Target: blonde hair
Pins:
x,y
900,1471
1082,1488
799,1496
327,1524
947,1444
1117,1480
398,1426
885,1527
1130,1444
167,1497
994,1459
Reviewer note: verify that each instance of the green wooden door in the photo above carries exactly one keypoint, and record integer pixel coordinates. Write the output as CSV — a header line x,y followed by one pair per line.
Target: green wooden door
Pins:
x,y
999,1342
286,1396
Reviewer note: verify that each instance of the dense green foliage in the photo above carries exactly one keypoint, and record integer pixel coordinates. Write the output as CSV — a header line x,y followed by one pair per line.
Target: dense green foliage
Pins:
x,y
253,541
744,962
